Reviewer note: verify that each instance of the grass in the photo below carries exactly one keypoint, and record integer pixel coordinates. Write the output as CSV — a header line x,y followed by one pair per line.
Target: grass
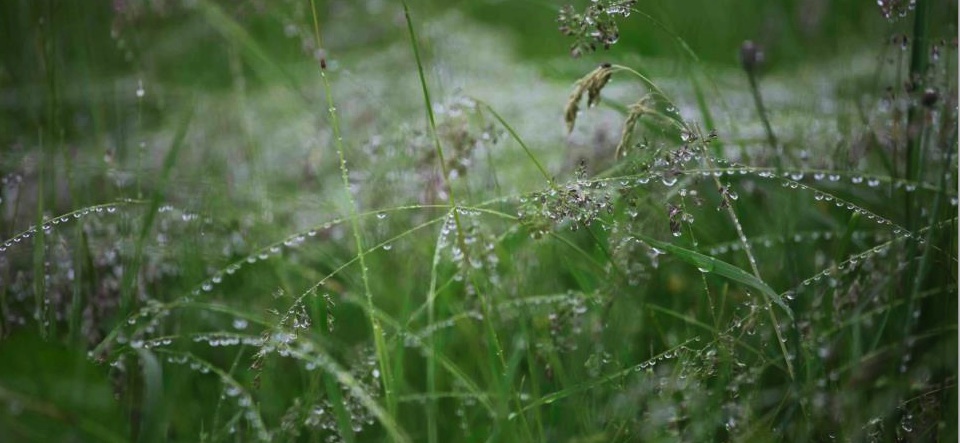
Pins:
x,y
293,230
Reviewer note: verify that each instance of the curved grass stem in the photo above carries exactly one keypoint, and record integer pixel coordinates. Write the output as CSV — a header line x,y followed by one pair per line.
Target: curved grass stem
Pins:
x,y
516,137
756,273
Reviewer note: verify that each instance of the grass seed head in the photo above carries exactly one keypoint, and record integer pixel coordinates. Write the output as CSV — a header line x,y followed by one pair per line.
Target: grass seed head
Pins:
x,y
591,84
636,111
751,56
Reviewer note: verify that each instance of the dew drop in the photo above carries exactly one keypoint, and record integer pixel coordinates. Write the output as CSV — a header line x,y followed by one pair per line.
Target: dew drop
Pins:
x,y
907,427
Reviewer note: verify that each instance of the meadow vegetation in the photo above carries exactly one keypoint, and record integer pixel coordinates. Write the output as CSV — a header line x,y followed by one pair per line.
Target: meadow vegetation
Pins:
x,y
608,221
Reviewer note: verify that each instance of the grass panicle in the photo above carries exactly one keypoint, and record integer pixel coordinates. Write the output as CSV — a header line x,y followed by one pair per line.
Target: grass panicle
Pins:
x,y
591,85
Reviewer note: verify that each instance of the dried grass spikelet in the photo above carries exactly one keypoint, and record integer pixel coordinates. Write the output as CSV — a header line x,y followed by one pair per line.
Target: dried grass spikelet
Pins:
x,y
592,84
635,111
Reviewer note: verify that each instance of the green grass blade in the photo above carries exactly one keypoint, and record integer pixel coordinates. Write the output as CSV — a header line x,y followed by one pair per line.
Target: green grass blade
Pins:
x,y
151,419
714,266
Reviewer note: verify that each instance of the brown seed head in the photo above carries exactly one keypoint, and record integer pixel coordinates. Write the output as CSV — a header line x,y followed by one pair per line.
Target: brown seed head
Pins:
x,y
591,84
930,97
751,56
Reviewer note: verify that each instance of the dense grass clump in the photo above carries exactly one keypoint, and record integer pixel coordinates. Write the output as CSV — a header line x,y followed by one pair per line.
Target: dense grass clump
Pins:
x,y
363,221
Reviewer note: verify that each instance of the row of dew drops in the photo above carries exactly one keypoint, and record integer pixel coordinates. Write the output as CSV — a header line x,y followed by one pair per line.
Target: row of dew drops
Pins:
x,y
289,243
52,223
48,226
792,180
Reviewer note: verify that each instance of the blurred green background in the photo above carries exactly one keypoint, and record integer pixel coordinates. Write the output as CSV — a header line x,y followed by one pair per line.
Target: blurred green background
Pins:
x,y
74,50
86,88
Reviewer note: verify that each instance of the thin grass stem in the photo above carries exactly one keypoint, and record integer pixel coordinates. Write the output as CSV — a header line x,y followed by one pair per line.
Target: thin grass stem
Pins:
x,y
383,355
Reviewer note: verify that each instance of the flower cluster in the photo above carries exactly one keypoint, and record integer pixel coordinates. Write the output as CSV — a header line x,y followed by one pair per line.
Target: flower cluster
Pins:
x,y
595,26
579,203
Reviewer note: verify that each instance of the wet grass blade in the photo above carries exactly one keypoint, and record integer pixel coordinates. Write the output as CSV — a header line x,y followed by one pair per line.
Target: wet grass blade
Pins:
x,y
129,278
709,264
151,420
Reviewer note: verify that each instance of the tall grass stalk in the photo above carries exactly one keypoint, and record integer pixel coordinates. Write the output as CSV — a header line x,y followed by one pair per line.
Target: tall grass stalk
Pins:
x,y
499,376
380,346
130,278
919,61
917,141
42,311
778,330
751,58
